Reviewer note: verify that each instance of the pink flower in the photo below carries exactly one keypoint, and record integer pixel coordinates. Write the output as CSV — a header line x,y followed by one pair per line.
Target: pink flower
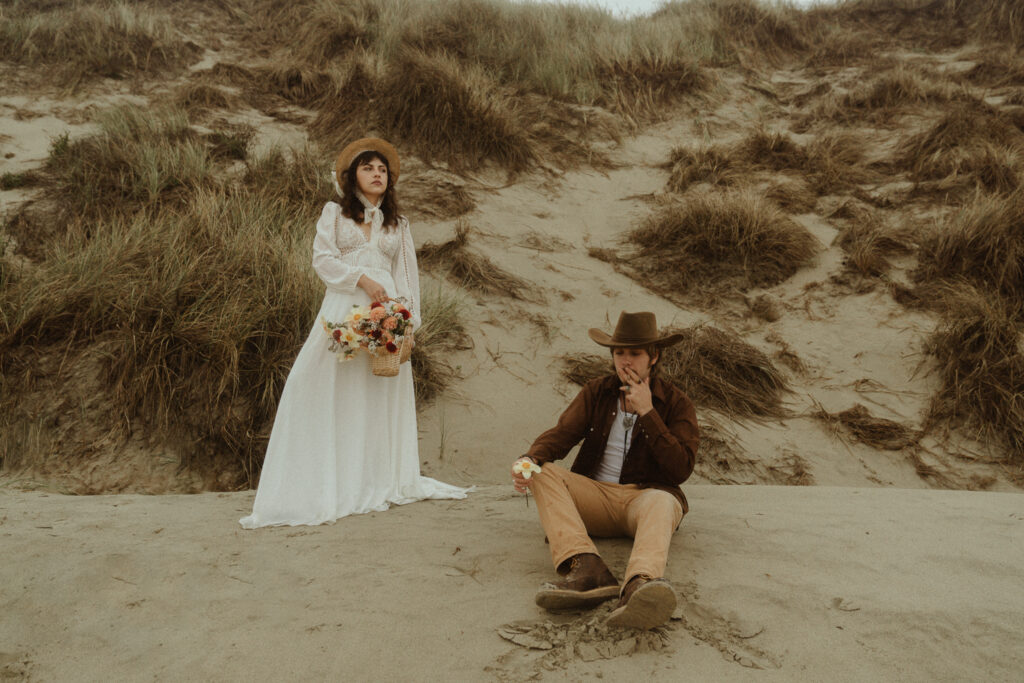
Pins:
x,y
389,324
378,314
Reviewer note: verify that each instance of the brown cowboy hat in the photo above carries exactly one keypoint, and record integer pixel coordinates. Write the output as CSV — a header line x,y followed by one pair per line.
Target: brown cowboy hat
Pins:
x,y
381,147
634,329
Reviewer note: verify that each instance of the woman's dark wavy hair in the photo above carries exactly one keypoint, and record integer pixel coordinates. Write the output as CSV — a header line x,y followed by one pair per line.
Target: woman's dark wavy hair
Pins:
x,y
351,207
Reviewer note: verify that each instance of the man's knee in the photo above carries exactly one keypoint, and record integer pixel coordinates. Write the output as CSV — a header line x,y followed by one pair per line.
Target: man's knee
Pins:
x,y
658,504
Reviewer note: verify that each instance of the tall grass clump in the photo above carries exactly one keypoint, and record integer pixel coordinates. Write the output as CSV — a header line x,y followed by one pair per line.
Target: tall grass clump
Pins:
x,y
978,144
979,352
893,92
454,111
715,368
472,270
830,163
137,158
199,312
982,244
443,333
869,243
717,240
763,29
80,41
571,48
307,171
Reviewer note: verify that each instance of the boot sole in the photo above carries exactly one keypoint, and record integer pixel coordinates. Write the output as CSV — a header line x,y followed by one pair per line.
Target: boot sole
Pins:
x,y
555,599
651,605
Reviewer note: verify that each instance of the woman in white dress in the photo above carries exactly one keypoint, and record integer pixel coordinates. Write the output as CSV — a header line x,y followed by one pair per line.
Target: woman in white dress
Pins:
x,y
344,440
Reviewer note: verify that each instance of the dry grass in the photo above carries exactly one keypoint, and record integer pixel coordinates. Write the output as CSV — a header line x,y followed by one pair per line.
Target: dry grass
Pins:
x,y
79,42
199,311
869,242
996,68
714,242
982,244
792,195
443,333
437,195
831,163
471,270
138,159
186,301
716,369
198,97
971,146
723,460
892,93
979,353
876,432
762,29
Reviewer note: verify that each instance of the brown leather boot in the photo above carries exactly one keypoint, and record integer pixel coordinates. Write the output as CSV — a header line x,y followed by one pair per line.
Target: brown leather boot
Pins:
x,y
645,603
587,584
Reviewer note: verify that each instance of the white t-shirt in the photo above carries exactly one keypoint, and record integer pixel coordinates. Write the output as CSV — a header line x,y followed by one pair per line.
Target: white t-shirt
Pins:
x,y
618,445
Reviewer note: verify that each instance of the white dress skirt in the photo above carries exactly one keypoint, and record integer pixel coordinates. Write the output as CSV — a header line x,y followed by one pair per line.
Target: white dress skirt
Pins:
x,y
344,440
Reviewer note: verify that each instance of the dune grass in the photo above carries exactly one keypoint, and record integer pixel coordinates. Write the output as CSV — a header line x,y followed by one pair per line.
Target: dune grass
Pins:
x,y
715,368
713,242
869,242
862,426
894,92
442,334
138,159
194,288
79,42
471,270
830,163
982,244
969,145
980,362
200,311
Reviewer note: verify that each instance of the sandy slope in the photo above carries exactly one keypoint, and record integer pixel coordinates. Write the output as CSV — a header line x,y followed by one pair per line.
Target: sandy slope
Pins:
x,y
777,583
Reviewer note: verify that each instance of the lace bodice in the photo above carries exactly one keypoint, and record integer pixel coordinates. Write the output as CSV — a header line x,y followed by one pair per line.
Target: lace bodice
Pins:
x,y
342,254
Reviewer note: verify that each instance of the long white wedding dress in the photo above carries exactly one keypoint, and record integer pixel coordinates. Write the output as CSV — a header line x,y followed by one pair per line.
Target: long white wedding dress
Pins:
x,y
344,441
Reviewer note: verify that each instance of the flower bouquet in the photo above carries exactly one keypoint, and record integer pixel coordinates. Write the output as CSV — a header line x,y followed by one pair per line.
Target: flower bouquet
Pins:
x,y
381,329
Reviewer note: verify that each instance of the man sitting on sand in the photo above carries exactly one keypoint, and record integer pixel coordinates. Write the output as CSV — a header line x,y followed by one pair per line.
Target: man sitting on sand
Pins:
x,y
639,436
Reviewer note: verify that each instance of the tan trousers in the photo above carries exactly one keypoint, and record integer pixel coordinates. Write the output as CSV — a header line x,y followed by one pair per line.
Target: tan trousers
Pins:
x,y
573,508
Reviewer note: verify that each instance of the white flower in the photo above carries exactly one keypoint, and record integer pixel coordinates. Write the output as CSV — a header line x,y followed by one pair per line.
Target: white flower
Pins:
x,y
526,468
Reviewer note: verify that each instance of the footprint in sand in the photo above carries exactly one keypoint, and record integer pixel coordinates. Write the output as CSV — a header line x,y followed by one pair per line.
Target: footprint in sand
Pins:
x,y
728,636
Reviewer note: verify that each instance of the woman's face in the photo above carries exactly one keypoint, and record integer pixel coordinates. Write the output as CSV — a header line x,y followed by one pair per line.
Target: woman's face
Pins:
x,y
372,178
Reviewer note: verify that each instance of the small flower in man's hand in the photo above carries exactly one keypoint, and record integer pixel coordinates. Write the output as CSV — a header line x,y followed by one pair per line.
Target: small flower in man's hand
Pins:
x,y
526,468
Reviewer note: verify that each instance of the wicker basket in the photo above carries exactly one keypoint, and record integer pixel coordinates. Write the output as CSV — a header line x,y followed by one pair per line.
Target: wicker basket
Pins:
x,y
386,364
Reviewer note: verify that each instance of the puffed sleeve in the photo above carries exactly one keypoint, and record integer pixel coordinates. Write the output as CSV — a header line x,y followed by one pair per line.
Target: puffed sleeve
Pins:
x,y
406,274
327,263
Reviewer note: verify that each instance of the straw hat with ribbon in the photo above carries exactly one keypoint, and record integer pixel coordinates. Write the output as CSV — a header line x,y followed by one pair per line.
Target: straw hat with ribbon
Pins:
x,y
634,330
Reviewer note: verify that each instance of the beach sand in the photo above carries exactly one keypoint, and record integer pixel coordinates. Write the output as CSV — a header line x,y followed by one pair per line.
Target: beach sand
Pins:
x,y
775,583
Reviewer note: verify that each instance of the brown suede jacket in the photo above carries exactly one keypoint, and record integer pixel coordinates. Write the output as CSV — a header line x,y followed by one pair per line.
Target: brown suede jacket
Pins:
x,y
662,452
